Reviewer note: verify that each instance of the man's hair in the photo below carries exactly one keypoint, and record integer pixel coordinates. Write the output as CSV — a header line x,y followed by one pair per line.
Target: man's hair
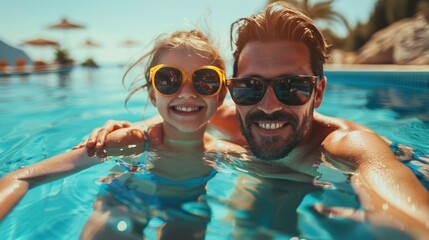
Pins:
x,y
280,21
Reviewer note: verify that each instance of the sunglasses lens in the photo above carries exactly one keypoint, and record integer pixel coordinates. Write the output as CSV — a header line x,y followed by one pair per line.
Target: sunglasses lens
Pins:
x,y
206,81
293,91
246,91
167,80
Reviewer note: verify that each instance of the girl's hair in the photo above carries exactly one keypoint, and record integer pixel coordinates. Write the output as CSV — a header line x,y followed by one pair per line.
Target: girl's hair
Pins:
x,y
193,40
280,21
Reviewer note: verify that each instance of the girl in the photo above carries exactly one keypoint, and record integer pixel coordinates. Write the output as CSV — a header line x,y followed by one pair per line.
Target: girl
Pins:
x,y
186,83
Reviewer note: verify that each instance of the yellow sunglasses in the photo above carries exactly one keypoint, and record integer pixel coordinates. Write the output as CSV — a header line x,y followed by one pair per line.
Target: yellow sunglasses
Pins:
x,y
168,80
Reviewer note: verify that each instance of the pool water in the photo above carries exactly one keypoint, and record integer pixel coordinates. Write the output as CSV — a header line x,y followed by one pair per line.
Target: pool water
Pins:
x,y
44,115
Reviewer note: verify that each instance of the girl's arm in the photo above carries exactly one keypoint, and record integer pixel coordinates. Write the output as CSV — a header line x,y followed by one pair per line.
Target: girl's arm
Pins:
x,y
14,186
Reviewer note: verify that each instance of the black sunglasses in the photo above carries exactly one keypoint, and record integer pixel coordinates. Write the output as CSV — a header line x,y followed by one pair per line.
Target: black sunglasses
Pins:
x,y
289,90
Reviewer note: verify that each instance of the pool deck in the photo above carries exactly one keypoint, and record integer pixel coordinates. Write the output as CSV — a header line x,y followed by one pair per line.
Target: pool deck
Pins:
x,y
29,69
410,76
376,68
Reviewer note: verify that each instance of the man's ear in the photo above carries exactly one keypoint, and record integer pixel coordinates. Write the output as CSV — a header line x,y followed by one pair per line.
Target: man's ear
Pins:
x,y
319,91
152,96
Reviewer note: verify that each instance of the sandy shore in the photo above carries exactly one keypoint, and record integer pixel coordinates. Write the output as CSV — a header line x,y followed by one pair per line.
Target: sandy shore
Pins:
x,y
377,67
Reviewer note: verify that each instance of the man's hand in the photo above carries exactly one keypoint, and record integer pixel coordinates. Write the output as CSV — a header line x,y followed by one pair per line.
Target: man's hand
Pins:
x,y
98,136
101,138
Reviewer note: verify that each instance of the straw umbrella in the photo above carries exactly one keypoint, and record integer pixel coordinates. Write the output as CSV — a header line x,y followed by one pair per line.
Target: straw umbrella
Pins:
x,y
40,42
66,25
90,44
130,44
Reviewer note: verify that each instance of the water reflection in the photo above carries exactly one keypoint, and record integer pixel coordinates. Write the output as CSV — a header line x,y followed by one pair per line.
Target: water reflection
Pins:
x,y
407,103
163,195
90,75
160,195
183,196
267,208
402,92
63,79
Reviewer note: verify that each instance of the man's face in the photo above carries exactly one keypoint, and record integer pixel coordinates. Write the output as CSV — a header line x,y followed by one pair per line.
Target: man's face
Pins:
x,y
272,129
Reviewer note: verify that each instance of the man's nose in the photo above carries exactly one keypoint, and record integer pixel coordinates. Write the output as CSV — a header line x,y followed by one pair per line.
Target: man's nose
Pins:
x,y
187,90
269,103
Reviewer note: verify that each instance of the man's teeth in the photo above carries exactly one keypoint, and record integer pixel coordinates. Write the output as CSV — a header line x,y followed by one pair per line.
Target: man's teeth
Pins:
x,y
186,109
271,126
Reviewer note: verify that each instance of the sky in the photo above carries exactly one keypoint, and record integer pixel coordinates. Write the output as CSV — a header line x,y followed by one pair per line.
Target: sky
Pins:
x,y
109,23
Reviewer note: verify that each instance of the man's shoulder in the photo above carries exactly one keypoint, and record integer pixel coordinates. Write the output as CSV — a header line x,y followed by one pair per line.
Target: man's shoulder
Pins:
x,y
332,124
344,137
354,145
341,132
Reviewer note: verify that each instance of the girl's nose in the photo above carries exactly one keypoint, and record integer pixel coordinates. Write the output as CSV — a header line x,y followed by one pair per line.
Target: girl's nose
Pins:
x,y
187,91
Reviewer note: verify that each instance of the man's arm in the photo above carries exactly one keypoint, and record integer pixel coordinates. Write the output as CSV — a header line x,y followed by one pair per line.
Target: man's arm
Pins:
x,y
225,121
97,138
385,186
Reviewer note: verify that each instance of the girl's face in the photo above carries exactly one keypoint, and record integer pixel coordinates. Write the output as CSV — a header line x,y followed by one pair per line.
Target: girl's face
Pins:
x,y
185,111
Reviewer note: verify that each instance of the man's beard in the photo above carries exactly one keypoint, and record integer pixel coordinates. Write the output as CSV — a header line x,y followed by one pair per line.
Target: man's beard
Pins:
x,y
274,147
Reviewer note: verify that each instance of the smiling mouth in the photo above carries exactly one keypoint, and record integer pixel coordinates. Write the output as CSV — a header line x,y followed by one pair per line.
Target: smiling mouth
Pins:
x,y
270,125
186,109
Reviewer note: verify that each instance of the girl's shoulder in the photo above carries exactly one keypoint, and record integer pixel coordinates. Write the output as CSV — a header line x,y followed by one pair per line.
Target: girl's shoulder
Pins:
x,y
125,141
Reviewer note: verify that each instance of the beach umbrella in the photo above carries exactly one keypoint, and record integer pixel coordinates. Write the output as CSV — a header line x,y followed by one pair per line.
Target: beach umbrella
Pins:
x,y
66,25
129,43
88,44
40,42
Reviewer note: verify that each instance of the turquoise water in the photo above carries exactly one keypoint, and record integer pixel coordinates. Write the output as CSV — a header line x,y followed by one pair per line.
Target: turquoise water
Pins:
x,y
44,115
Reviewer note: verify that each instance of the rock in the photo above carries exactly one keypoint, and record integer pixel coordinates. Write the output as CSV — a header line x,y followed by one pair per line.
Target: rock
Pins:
x,y
90,63
11,54
339,56
404,42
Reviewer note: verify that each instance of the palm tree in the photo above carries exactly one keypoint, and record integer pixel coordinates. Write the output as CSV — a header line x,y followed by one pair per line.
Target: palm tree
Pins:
x,y
62,57
322,10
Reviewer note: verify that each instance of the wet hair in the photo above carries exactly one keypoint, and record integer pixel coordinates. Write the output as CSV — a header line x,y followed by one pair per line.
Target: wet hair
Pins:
x,y
280,21
193,40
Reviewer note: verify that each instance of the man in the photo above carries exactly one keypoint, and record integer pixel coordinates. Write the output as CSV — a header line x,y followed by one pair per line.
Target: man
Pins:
x,y
278,82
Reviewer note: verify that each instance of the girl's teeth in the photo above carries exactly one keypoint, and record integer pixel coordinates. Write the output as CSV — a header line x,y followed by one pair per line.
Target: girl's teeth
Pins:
x,y
186,109
271,126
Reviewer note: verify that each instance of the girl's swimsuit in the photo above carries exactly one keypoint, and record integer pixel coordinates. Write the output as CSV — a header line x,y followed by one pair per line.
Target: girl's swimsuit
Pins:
x,y
150,198
140,189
